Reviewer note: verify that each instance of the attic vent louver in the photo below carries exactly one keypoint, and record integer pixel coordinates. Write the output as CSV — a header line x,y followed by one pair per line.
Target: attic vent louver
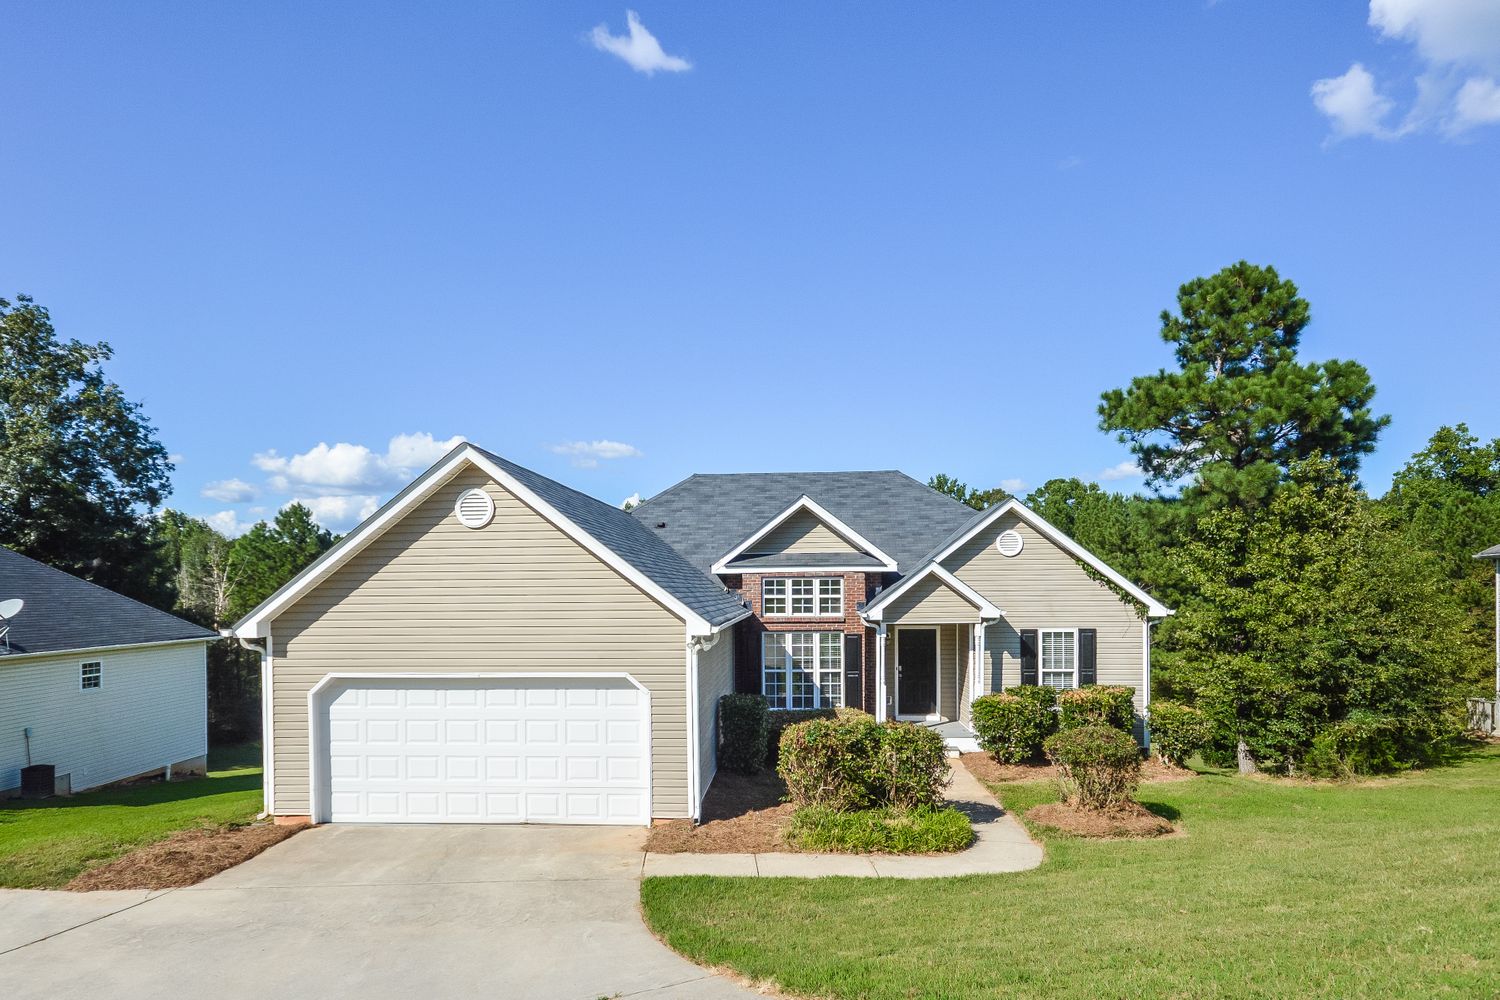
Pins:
x,y
1009,543
474,509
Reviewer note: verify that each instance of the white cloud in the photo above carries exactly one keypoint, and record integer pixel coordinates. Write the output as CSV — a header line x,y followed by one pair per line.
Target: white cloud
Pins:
x,y
230,491
1454,39
1070,163
228,524
634,500
338,512
345,467
1353,105
1127,469
1015,487
588,454
640,49
1477,103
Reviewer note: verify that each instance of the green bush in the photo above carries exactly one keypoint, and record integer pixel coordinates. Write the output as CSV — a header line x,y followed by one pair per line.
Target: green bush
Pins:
x,y
1011,728
851,762
880,831
1361,743
829,762
1099,766
744,731
1178,731
1097,705
782,718
911,767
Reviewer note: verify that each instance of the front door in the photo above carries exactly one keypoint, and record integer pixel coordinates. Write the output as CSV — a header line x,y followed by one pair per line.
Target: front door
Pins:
x,y
916,665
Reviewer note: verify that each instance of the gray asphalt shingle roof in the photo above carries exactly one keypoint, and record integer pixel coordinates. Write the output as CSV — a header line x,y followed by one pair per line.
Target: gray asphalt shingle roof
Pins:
x,y
633,542
63,612
706,515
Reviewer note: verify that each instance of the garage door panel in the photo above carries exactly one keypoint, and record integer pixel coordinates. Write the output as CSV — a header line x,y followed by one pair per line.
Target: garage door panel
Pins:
x,y
492,750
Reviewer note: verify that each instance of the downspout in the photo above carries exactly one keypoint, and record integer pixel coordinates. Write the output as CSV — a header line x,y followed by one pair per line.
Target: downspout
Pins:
x,y
267,785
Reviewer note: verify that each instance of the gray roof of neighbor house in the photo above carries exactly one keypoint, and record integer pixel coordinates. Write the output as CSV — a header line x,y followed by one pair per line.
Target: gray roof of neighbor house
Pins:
x,y
65,613
633,542
706,515
1493,552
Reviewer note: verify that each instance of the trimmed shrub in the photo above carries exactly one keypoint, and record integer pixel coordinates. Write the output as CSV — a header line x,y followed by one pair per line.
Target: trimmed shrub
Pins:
x,y
911,767
1361,743
1099,766
1011,728
744,731
828,762
1097,705
782,719
881,831
1178,731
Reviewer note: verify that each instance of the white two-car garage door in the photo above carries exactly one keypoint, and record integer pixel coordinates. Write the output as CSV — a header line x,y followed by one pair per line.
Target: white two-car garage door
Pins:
x,y
488,750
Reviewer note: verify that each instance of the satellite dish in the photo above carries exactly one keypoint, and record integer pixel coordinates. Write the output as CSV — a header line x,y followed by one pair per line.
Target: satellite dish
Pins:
x,y
11,608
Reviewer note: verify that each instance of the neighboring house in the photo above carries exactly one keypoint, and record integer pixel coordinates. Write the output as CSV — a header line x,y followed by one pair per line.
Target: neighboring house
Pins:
x,y
1493,555
492,646
98,685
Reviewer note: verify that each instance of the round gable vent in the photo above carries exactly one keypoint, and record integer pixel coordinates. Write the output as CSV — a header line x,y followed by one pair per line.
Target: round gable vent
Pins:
x,y
474,509
1009,543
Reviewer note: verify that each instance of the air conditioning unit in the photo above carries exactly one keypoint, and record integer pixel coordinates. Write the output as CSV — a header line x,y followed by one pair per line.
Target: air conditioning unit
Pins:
x,y
38,781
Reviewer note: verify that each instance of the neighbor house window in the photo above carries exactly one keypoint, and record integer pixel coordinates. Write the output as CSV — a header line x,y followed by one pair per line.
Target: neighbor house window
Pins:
x,y
91,675
804,596
802,669
1059,658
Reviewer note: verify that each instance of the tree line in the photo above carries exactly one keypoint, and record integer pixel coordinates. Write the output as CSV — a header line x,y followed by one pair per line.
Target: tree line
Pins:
x,y
1306,608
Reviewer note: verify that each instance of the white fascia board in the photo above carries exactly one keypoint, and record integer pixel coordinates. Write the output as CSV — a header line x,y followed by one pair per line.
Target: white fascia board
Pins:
x,y
253,625
987,611
810,505
84,650
1154,608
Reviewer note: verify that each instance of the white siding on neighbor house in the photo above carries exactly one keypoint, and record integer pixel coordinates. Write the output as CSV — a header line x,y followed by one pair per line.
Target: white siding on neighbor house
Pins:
x,y
516,596
802,532
715,679
150,710
1043,587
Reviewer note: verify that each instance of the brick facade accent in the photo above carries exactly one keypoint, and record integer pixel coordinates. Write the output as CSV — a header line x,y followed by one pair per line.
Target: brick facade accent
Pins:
x,y
747,638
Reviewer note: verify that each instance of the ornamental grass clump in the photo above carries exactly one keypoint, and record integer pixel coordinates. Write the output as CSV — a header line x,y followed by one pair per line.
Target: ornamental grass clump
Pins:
x,y
1099,767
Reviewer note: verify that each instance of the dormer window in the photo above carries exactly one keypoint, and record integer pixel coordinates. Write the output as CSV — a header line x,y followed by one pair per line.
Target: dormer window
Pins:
x,y
802,597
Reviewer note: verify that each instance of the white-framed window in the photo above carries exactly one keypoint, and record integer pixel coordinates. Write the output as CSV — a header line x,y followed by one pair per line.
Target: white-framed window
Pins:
x,y
1058,657
90,675
802,669
802,596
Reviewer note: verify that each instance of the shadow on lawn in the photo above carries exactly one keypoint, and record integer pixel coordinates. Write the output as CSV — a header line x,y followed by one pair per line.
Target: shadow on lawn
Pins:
x,y
1169,813
231,770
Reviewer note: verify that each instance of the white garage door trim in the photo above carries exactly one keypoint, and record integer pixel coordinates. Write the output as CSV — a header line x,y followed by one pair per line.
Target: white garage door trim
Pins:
x,y
317,737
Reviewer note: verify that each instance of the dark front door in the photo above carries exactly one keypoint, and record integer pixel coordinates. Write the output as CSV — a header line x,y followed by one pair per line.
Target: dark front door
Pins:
x,y
916,659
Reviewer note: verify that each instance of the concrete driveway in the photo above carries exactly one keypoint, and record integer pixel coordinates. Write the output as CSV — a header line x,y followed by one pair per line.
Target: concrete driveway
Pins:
x,y
425,912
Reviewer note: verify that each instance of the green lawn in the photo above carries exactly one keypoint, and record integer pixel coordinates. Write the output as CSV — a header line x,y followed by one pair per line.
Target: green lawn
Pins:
x,y
1387,889
44,844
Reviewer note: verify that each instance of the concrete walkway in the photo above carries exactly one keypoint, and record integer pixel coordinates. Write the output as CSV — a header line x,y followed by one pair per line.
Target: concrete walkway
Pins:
x,y
1001,844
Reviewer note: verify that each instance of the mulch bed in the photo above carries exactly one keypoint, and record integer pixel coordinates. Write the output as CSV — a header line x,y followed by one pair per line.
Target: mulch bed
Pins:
x,y
741,814
985,768
185,858
1125,821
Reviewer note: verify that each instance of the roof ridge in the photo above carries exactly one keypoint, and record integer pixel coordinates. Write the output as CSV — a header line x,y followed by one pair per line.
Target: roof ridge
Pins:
x,y
661,493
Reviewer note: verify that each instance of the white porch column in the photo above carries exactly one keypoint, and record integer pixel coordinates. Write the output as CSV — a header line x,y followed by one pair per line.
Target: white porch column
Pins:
x,y
880,673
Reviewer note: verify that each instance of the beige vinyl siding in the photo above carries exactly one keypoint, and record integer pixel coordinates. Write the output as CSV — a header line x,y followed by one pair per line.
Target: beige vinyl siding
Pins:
x,y
930,601
431,596
802,532
1043,587
715,679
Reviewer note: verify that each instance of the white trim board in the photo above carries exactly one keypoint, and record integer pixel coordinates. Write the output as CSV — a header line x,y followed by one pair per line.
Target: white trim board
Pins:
x,y
838,527
1154,608
87,650
253,625
876,608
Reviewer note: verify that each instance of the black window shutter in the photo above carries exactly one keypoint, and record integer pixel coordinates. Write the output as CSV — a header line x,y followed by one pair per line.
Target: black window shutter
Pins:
x,y
1028,656
1088,656
854,675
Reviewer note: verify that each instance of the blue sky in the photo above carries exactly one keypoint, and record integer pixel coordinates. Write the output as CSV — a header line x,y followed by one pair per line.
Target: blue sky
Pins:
x,y
841,236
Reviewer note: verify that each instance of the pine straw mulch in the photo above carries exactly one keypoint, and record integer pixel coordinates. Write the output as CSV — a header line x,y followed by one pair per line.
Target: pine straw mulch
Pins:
x,y
987,769
742,814
1127,821
185,858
